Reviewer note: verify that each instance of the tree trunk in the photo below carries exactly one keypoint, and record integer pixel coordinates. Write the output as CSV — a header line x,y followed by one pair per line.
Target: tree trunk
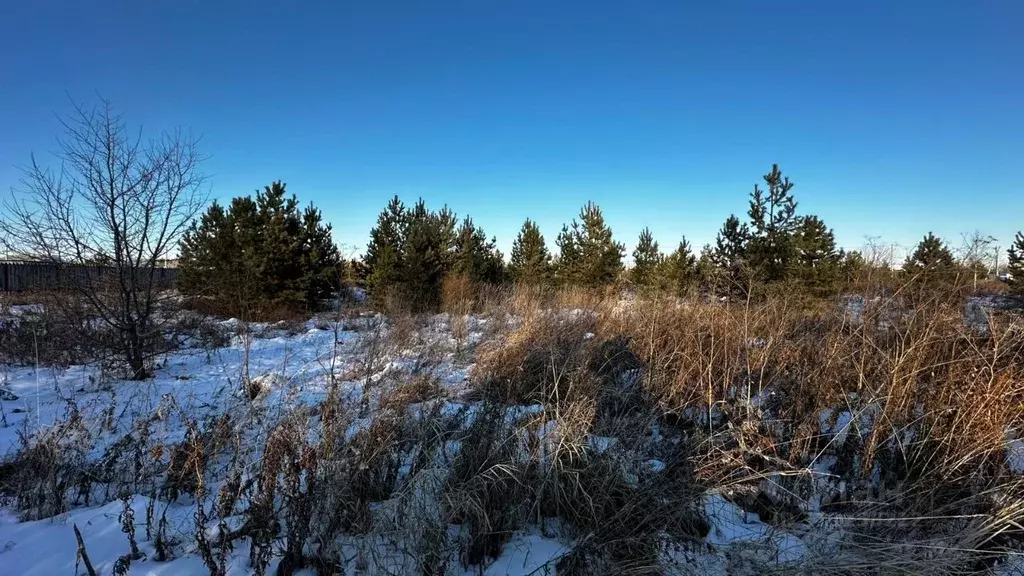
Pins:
x,y
136,353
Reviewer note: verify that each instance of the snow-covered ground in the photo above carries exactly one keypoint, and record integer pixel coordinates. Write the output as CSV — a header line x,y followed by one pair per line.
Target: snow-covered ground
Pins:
x,y
294,372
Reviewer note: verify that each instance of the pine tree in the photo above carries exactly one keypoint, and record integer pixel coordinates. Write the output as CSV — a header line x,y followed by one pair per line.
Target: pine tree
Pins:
x,y
816,261
411,251
678,272
280,230
383,257
731,243
530,261
567,264
426,256
321,265
931,260
1015,266
260,253
709,273
589,255
446,222
475,256
773,221
646,260
851,264
202,246
494,270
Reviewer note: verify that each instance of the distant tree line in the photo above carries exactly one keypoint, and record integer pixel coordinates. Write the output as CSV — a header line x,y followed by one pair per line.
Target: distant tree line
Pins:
x,y
126,203
265,249
774,244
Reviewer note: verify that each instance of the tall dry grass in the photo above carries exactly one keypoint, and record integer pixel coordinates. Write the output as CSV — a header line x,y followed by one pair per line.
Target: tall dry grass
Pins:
x,y
608,421
893,415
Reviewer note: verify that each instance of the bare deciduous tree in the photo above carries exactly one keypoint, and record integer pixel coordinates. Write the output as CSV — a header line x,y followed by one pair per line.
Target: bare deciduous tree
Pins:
x,y
977,254
114,210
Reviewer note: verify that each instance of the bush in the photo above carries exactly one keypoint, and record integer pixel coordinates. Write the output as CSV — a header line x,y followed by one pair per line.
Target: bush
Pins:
x,y
57,329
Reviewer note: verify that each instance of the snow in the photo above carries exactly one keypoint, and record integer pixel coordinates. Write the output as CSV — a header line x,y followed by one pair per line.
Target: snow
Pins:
x,y
296,371
46,547
527,553
835,425
731,527
289,371
1015,455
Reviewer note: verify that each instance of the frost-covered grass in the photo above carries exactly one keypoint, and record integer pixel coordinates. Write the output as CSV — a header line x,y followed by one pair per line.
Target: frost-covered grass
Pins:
x,y
614,437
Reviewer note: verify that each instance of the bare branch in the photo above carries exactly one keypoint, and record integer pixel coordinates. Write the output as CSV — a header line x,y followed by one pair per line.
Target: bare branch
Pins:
x,y
120,201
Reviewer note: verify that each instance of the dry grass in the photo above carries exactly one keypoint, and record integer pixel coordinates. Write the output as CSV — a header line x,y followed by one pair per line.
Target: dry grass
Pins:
x,y
544,360
609,422
931,399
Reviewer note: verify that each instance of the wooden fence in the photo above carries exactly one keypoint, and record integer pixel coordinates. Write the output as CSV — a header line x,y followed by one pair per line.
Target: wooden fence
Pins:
x,y
18,276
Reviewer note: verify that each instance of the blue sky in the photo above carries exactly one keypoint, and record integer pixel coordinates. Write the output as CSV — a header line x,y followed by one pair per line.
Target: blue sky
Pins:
x,y
893,118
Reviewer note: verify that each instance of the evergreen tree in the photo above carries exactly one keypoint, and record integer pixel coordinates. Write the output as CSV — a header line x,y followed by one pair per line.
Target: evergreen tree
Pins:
x,y
773,222
260,252
446,222
931,260
358,271
816,261
280,228
567,264
530,261
646,260
678,272
494,269
1015,266
383,259
731,244
851,264
589,254
426,256
321,266
201,247
709,273
476,257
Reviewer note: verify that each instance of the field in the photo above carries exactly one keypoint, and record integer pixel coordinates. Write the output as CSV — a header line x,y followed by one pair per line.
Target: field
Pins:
x,y
528,433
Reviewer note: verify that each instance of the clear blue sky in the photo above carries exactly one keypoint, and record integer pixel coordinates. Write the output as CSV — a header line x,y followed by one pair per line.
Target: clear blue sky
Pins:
x,y
892,117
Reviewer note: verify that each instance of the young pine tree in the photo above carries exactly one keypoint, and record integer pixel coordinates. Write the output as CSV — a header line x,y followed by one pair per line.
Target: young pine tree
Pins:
x,y
321,264
203,246
599,256
646,260
475,256
1015,266
530,261
427,255
678,272
447,223
773,222
731,243
383,259
816,262
730,257
851,264
260,253
931,260
567,265
708,271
